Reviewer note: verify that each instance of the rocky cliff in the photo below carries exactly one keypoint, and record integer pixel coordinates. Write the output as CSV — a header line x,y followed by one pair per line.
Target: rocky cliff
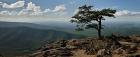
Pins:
x,y
111,46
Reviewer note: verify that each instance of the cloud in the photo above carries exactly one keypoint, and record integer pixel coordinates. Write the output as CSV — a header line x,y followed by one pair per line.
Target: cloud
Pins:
x,y
1,3
31,9
23,12
36,10
127,13
47,10
59,8
4,13
8,12
17,4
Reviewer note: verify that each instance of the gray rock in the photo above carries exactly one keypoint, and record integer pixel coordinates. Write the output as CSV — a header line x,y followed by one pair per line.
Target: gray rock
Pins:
x,y
104,53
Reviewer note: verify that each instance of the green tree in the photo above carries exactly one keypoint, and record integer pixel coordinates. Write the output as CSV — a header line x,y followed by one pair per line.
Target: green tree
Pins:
x,y
87,18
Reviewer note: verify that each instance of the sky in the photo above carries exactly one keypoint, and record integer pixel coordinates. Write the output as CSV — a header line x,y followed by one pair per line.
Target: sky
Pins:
x,y
32,10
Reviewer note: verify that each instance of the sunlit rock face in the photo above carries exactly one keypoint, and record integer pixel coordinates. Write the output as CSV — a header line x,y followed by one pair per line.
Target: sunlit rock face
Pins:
x,y
105,47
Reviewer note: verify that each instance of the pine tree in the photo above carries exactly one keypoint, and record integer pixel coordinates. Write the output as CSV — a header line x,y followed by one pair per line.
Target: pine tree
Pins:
x,y
87,18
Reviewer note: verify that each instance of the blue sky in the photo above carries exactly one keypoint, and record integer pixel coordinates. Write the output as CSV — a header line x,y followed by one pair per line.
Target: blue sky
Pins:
x,y
131,5
119,4
65,8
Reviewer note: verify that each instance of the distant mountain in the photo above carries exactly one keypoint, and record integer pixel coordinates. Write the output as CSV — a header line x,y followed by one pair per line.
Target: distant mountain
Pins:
x,y
23,37
60,24
31,25
122,28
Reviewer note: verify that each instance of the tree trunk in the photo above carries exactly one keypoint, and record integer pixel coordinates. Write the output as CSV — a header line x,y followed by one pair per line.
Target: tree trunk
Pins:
x,y
99,29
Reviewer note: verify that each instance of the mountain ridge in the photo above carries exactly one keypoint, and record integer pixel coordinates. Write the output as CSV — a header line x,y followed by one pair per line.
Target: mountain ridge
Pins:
x,y
22,39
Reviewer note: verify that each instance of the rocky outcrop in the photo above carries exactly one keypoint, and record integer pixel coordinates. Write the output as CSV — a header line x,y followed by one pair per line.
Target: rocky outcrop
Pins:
x,y
106,47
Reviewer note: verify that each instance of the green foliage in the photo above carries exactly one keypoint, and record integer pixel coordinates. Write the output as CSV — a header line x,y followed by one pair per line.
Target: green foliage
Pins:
x,y
87,18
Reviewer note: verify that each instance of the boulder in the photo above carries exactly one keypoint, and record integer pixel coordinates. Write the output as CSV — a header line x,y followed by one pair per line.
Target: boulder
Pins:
x,y
58,52
104,53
